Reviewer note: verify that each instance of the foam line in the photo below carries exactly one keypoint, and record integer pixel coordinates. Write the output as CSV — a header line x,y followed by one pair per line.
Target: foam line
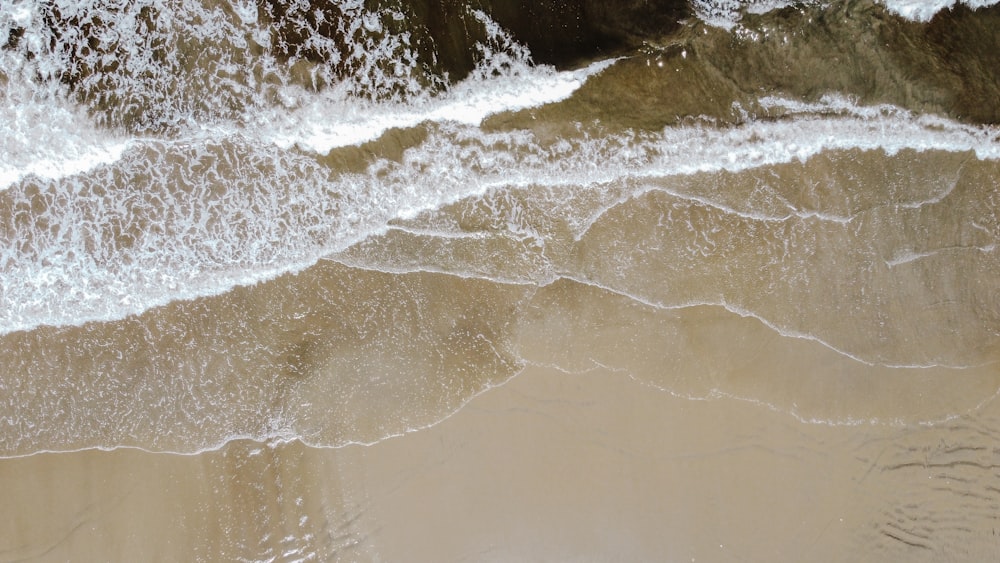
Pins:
x,y
205,244
924,10
326,123
50,139
911,256
273,437
746,313
726,14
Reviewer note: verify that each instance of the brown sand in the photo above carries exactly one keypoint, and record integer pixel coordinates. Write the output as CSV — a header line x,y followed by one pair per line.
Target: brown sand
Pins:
x,y
550,466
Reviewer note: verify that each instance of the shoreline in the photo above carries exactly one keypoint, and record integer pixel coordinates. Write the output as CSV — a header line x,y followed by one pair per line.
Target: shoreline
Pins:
x,y
549,465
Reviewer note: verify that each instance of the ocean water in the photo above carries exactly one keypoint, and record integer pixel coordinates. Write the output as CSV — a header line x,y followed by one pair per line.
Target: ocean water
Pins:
x,y
485,280
340,221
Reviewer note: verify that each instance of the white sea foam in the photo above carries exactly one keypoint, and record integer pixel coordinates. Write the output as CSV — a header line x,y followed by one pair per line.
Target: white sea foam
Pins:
x,y
727,13
71,269
43,133
127,223
327,121
47,135
504,80
908,256
223,202
924,10
51,140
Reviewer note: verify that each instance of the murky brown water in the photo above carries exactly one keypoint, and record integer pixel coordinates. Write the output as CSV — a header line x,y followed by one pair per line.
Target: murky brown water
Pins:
x,y
277,285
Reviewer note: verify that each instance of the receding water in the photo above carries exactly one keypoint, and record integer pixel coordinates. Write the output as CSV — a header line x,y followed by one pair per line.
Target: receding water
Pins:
x,y
232,227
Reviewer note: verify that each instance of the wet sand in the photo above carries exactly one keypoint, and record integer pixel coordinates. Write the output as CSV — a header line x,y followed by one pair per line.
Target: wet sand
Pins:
x,y
663,407
716,305
551,466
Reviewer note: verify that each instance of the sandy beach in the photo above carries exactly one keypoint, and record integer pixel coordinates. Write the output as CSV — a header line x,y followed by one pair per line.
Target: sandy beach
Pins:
x,y
437,280
551,466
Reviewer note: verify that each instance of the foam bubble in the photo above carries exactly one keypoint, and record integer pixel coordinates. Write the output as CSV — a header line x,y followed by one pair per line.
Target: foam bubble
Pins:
x,y
924,10
726,14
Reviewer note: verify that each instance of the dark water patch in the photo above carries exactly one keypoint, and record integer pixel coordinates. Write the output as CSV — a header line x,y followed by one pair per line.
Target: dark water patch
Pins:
x,y
325,42
856,49
966,44
14,36
445,32
568,33
143,69
859,49
647,91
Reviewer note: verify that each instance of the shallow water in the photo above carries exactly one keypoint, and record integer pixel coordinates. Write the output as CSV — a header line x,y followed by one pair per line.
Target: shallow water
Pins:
x,y
255,232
